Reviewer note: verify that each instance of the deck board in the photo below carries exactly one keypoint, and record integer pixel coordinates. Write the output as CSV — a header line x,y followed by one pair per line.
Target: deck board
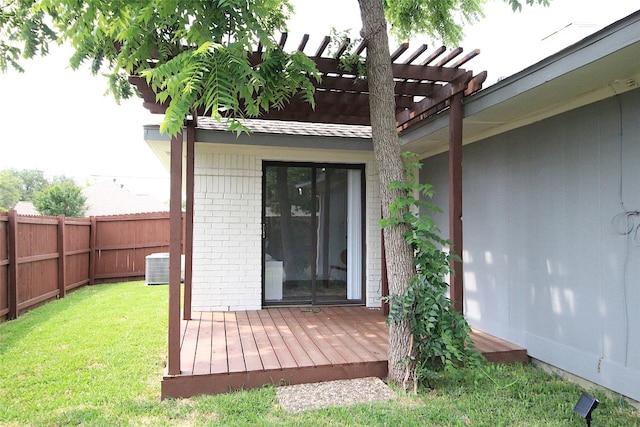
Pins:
x,y
285,358
249,349
320,353
361,352
224,351
204,337
497,350
314,353
219,358
372,335
189,345
235,351
265,349
326,336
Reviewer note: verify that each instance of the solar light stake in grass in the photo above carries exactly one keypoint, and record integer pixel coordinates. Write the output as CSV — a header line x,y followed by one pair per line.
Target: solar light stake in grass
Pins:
x,y
585,406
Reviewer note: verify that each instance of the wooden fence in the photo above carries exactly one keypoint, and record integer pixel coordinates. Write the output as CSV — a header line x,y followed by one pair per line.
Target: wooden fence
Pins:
x,y
42,258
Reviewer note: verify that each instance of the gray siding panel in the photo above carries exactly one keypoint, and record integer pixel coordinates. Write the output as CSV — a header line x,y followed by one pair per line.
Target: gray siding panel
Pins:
x,y
544,266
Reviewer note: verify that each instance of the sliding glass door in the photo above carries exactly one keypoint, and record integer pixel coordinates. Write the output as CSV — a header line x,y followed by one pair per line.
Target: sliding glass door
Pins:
x,y
312,233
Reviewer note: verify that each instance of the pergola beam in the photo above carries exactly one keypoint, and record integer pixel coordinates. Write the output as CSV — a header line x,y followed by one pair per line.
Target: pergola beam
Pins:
x,y
440,96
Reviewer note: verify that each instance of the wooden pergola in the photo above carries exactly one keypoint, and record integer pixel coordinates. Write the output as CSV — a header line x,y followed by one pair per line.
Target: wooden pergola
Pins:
x,y
425,83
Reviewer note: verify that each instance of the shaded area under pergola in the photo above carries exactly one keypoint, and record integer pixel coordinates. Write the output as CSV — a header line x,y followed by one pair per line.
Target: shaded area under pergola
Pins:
x,y
425,83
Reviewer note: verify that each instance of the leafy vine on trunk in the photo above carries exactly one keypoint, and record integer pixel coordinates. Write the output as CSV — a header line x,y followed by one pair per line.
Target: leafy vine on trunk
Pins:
x,y
440,335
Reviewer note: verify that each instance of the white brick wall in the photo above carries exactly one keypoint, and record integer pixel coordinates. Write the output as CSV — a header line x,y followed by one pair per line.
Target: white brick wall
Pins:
x,y
227,232
227,223
374,237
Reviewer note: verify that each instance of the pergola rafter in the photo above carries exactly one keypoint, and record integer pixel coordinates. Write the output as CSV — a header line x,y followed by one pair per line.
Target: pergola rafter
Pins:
x,y
421,89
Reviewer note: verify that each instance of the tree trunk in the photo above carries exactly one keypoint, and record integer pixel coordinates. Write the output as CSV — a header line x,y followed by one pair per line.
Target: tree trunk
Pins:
x,y
386,146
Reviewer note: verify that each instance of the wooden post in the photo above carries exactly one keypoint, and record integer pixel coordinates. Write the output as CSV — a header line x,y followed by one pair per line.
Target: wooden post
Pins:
x,y
188,235
13,264
62,273
455,199
175,238
92,250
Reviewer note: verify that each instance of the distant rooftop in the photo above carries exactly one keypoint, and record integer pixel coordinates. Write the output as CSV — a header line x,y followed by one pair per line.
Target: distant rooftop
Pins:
x,y
112,198
108,198
25,208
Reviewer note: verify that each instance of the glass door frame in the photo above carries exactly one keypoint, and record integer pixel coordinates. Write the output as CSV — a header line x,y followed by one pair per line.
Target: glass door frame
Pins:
x,y
315,166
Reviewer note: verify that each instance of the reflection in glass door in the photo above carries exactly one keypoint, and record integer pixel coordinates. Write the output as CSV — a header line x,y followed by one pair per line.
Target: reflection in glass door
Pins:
x,y
312,239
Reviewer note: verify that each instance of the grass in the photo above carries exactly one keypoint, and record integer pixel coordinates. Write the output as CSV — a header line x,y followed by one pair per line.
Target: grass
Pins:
x,y
96,358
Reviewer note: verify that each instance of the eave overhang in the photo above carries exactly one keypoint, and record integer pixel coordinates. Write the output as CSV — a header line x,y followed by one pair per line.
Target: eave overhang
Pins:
x,y
598,67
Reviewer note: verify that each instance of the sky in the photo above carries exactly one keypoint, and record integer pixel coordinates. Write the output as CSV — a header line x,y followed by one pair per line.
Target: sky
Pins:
x,y
59,121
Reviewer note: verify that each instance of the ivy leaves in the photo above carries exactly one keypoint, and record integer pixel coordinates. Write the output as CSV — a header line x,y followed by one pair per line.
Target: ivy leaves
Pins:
x,y
440,334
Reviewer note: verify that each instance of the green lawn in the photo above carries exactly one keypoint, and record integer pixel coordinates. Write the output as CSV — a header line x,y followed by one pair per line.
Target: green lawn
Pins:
x,y
96,358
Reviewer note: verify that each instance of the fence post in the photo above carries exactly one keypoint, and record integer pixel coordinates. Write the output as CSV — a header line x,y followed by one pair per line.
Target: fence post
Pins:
x,y
92,251
13,264
62,264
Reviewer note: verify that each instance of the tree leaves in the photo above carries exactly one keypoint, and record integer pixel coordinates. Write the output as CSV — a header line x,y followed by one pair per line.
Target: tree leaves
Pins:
x,y
63,197
195,54
23,33
218,79
440,19
10,186
516,5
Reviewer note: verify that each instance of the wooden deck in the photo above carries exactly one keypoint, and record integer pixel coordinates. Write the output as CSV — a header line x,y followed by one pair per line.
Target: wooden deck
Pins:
x,y
224,351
